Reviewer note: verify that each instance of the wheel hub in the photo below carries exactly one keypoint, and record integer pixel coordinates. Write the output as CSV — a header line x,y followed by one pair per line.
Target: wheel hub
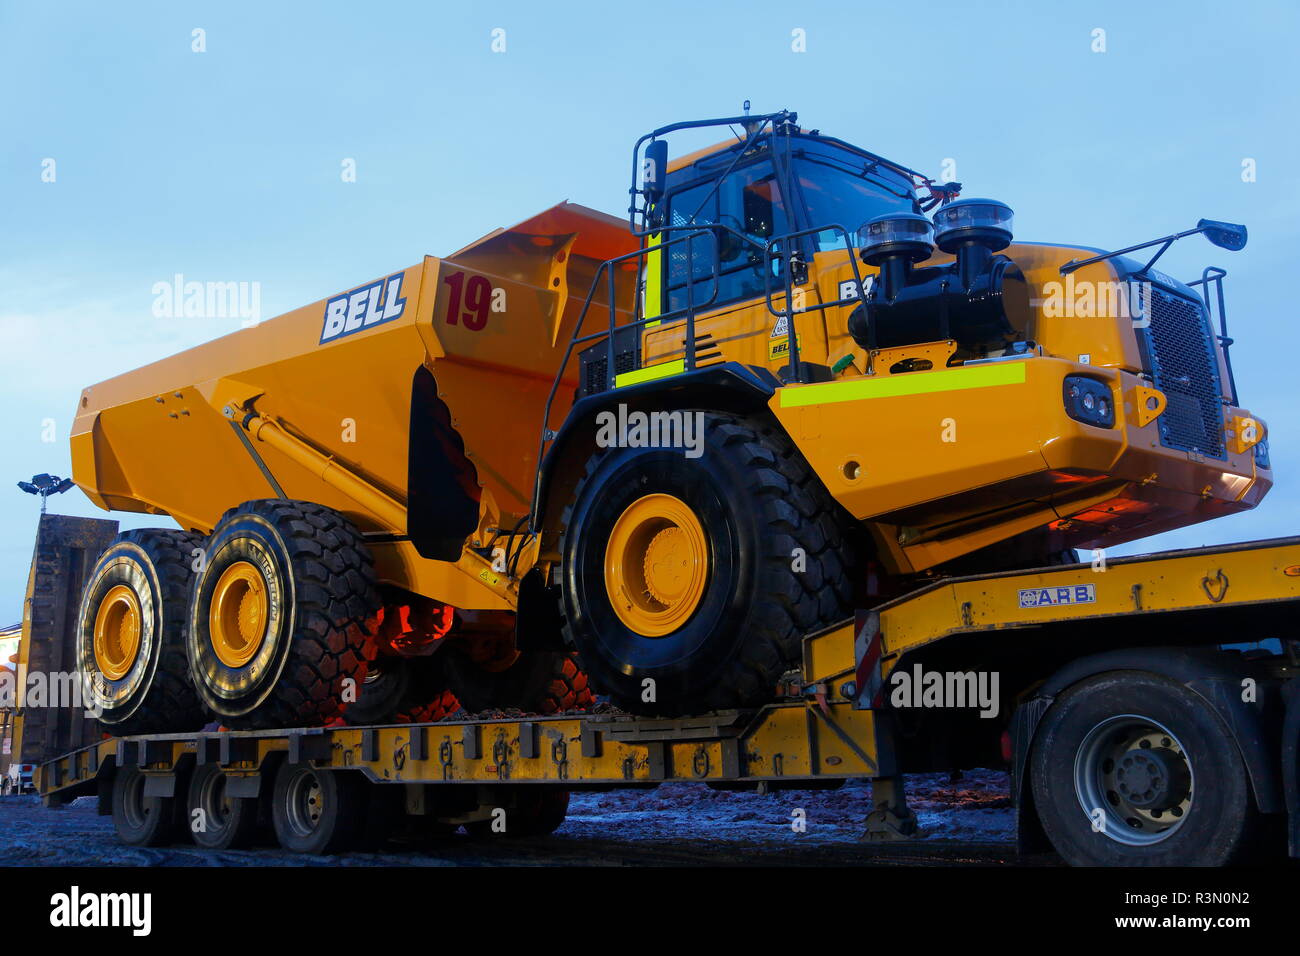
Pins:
x,y
238,613
1154,779
117,632
306,803
668,565
656,565
1133,779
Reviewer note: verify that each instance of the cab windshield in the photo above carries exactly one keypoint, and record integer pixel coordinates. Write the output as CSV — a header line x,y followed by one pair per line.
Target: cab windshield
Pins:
x,y
839,187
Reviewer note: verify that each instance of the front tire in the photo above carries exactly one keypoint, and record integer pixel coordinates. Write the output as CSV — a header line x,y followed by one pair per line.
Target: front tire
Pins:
x,y
282,615
1132,769
688,583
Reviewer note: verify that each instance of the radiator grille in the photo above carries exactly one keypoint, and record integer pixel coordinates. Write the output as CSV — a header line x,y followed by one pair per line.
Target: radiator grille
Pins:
x,y
1184,365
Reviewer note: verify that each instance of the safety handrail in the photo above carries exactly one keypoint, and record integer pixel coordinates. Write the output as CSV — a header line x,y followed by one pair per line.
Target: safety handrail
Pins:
x,y
607,269
1213,275
790,256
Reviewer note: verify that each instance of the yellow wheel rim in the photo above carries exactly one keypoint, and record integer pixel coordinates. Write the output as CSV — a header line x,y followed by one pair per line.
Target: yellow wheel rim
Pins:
x,y
117,632
238,613
656,565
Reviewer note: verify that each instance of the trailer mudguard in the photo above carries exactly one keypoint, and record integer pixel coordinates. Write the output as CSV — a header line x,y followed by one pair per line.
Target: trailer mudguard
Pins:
x,y
1211,674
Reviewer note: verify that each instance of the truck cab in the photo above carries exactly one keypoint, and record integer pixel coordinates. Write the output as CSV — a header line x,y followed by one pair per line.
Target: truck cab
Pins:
x,y
971,396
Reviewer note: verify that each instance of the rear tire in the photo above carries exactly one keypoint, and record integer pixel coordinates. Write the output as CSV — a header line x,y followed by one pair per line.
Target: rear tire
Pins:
x,y
282,616
1132,769
141,820
403,690
131,634
743,554
225,822
536,811
317,811
536,682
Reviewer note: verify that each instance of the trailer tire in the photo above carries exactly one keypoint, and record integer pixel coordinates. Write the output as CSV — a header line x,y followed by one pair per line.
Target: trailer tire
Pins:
x,y
141,820
131,632
537,811
536,682
1129,768
282,616
317,811
225,822
698,578
402,690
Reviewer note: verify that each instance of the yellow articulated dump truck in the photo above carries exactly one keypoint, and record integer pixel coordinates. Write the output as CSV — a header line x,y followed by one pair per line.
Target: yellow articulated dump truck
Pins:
x,y
643,458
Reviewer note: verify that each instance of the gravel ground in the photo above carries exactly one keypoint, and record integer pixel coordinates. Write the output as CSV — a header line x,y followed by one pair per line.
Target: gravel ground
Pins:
x,y
966,821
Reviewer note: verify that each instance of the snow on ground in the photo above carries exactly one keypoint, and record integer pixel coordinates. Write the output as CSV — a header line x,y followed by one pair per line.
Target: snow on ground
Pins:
x,y
677,823
976,808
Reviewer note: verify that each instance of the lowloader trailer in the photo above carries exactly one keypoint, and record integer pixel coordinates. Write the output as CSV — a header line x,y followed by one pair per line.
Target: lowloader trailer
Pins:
x,y
1145,707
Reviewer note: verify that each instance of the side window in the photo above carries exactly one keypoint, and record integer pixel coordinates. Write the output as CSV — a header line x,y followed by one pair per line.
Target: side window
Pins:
x,y
748,201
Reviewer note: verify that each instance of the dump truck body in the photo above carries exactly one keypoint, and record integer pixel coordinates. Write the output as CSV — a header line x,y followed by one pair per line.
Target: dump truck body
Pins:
x,y
424,384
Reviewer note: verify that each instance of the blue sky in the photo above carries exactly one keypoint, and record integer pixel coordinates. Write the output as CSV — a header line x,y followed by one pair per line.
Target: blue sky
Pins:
x,y
225,165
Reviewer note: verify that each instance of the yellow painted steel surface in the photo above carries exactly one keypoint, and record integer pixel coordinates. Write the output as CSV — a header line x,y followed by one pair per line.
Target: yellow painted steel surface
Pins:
x,y
329,391
238,614
784,741
944,461
117,632
656,565
1206,578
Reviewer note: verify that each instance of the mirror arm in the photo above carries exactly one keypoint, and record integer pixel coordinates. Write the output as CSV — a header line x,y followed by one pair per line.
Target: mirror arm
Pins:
x,y
1169,240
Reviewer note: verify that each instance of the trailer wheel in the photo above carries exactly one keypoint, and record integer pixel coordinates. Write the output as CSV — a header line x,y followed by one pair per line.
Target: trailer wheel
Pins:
x,y
537,811
141,820
282,615
689,582
131,634
402,690
216,820
317,811
1132,769
536,682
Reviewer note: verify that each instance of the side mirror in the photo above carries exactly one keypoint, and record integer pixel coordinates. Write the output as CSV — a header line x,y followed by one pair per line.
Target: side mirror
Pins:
x,y
654,170
1225,235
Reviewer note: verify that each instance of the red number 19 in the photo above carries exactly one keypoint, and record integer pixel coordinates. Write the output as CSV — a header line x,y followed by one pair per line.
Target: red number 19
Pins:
x,y
478,297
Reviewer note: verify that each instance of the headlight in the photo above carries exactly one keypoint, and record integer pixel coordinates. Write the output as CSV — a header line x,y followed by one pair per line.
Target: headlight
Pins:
x,y
899,233
985,221
1261,453
1089,401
